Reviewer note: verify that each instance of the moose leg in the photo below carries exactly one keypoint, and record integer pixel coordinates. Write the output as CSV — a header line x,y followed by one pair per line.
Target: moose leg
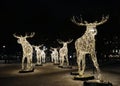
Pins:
x,y
79,59
94,59
67,60
62,60
43,59
83,64
40,59
78,62
29,62
37,59
55,59
23,59
51,58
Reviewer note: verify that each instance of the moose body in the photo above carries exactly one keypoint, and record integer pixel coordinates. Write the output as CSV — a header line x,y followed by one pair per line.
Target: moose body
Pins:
x,y
43,56
27,52
63,52
38,54
63,55
54,55
86,45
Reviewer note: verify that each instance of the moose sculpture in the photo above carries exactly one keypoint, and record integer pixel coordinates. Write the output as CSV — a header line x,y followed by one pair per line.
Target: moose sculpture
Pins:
x,y
86,44
63,53
43,54
38,54
54,55
27,52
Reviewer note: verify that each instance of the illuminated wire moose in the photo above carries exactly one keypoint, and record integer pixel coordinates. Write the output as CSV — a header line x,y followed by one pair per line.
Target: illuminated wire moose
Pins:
x,y
54,55
86,44
27,51
63,52
38,54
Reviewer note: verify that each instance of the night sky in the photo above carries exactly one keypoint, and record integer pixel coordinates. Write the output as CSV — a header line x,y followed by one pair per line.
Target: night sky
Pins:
x,y
50,19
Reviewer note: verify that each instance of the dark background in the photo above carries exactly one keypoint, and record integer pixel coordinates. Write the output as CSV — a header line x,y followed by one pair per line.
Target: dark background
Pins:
x,y
50,20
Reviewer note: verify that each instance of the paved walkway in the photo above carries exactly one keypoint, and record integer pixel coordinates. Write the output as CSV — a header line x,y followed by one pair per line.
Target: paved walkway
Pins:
x,y
50,75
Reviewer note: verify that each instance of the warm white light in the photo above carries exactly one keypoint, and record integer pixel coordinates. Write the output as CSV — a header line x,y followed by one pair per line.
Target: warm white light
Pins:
x,y
27,51
38,54
4,46
43,56
54,55
63,52
86,44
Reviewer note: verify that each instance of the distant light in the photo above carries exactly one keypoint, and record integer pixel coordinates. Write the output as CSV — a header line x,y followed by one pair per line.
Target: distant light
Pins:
x,y
4,46
70,56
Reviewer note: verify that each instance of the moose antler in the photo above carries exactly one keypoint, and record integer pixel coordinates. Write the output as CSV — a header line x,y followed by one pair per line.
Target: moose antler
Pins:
x,y
40,45
37,45
104,19
70,40
59,41
85,23
30,36
16,35
78,23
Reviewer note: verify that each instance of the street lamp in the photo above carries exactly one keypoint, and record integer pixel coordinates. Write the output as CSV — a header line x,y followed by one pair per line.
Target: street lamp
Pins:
x,y
4,46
